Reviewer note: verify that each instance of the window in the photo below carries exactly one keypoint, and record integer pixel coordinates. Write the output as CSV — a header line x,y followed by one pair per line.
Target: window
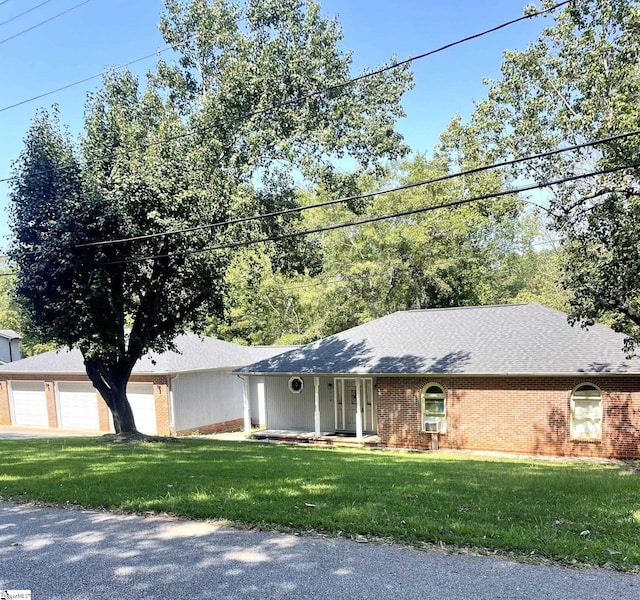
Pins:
x,y
586,413
433,408
296,385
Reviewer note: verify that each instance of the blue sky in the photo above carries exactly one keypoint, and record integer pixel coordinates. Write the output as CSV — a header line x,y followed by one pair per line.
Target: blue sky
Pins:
x,y
104,33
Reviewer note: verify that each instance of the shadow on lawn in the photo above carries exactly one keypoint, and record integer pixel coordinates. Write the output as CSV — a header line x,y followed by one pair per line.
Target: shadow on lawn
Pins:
x,y
416,498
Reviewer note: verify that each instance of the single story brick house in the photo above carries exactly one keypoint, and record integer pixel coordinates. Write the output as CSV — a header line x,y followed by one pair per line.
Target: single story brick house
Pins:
x,y
180,392
512,378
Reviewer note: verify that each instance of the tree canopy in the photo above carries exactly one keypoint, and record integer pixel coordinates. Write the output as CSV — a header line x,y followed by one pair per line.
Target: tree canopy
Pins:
x,y
257,98
580,82
478,253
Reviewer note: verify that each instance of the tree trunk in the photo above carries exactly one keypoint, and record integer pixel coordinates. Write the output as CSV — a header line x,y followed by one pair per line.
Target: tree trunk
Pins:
x,y
112,385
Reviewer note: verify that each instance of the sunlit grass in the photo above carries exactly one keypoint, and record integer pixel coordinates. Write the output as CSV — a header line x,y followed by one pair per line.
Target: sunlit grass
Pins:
x,y
577,513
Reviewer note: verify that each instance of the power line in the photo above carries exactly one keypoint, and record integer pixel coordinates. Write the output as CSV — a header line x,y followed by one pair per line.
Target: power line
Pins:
x,y
24,12
327,280
369,220
318,92
365,196
90,77
70,85
64,12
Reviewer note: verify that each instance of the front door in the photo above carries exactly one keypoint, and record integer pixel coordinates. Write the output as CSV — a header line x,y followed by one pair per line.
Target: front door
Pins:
x,y
346,404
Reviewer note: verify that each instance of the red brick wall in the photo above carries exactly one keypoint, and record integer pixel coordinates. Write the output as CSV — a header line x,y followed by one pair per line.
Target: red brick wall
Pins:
x,y
235,425
160,392
526,415
52,407
5,410
161,397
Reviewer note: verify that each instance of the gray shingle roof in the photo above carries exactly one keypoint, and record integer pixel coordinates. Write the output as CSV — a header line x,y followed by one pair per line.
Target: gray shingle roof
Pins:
x,y
10,334
194,353
523,339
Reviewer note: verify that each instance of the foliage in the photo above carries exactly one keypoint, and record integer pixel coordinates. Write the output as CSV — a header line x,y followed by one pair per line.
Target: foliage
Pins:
x,y
9,316
212,136
478,253
580,81
537,510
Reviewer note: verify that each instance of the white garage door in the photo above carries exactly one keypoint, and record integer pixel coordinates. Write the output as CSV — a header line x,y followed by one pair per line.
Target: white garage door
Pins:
x,y
143,406
29,403
78,405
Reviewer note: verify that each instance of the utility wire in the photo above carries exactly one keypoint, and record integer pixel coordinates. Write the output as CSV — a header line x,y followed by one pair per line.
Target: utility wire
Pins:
x,y
319,92
334,278
64,12
365,196
70,85
24,12
101,74
368,220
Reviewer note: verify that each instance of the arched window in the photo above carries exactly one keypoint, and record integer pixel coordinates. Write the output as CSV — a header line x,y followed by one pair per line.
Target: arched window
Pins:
x,y
433,408
586,412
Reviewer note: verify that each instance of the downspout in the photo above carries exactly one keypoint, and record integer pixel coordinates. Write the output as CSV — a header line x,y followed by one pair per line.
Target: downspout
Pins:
x,y
359,428
11,340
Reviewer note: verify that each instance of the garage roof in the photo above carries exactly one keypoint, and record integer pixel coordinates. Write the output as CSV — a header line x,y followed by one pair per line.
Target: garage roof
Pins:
x,y
195,353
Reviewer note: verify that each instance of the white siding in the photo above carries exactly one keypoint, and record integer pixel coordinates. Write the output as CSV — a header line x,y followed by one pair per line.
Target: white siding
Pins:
x,y
286,410
206,398
15,350
9,350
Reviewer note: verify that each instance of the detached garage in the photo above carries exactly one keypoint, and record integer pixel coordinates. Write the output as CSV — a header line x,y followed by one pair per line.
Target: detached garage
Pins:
x,y
77,406
143,405
180,392
28,404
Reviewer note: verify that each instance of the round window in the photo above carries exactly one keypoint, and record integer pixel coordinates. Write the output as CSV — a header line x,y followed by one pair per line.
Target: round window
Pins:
x,y
296,384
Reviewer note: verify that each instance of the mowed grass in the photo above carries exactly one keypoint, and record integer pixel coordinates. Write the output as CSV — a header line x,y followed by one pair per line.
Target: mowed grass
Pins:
x,y
575,513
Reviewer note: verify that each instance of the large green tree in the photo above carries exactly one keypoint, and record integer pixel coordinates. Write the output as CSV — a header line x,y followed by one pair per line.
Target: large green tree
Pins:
x,y
229,129
473,254
580,81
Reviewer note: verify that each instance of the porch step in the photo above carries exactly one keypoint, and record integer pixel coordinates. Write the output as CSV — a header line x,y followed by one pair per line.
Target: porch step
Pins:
x,y
307,437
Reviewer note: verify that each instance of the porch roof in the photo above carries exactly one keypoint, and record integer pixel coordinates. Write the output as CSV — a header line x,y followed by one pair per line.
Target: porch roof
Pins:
x,y
516,339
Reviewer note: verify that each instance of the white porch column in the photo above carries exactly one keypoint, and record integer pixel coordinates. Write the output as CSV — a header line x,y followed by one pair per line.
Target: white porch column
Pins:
x,y
316,414
358,409
247,404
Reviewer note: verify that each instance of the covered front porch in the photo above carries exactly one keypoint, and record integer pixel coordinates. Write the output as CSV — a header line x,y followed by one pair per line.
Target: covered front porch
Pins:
x,y
323,408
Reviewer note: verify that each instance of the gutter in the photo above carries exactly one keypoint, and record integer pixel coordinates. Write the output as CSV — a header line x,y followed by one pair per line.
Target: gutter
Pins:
x,y
429,374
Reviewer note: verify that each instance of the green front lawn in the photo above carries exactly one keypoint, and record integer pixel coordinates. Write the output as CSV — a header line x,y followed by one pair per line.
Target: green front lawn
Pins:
x,y
578,513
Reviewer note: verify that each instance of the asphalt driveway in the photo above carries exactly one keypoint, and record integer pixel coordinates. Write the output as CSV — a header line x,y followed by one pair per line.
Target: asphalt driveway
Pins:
x,y
87,555
16,432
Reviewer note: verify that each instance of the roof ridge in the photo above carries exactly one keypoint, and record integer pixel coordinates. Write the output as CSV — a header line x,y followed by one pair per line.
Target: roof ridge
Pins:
x,y
439,308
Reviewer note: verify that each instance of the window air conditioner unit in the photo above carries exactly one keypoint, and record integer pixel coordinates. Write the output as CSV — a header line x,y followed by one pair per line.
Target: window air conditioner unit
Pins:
x,y
432,424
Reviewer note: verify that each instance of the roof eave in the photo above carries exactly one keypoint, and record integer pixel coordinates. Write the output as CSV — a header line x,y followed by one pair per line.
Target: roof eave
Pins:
x,y
426,374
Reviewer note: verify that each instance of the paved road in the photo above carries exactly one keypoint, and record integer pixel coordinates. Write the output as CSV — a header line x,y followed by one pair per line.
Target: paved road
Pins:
x,y
84,555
